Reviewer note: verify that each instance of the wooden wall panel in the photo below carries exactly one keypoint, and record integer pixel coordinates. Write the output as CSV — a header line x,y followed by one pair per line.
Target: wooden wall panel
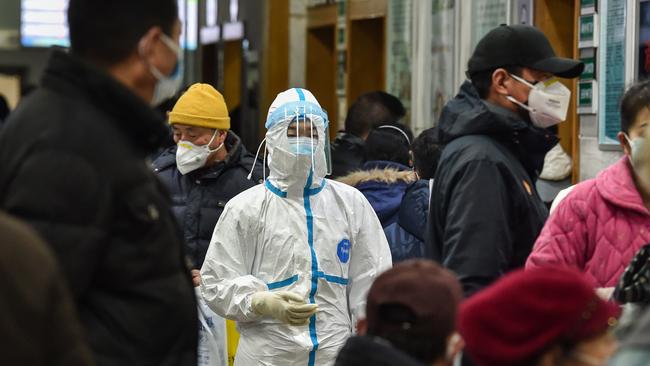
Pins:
x,y
321,70
275,73
557,19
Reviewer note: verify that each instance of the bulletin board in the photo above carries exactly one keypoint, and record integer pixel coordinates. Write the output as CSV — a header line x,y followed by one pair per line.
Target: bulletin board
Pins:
x,y
613,54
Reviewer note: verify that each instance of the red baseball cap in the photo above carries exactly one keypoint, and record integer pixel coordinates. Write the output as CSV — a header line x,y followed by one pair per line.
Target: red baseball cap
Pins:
x,y
415,296
527,311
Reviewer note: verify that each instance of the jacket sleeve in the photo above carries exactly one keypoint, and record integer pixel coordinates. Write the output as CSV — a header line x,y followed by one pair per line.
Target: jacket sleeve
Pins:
x,y
563,240
369,257
227,284
477,241
68,202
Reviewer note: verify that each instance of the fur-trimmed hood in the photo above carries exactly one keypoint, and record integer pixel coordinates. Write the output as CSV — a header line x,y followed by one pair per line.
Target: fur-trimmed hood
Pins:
x,y
383,183
385,175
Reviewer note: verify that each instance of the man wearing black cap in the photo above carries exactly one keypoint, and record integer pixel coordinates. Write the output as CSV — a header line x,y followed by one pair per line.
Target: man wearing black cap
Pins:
x,y
485,213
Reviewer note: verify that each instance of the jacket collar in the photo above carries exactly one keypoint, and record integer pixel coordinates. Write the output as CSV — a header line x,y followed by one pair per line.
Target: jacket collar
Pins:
x,y
468,114
72,76
383,172
616,185
349,139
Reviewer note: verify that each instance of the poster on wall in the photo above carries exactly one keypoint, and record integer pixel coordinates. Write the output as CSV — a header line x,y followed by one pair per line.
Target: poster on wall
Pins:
x,y
588,35
643,44
525,12
487,15
612,71
44,23
442,55
398,65
588,6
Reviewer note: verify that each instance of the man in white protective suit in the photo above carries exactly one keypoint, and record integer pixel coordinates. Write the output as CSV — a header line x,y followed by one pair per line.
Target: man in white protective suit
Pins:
x,y
292,260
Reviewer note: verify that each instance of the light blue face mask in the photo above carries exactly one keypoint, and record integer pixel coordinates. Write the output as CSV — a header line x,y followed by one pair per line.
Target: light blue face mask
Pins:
x,y
167,86
302,145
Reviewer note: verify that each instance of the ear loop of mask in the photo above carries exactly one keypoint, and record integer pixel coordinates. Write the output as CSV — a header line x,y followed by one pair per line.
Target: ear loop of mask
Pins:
x,y
257,154
515,101
211,140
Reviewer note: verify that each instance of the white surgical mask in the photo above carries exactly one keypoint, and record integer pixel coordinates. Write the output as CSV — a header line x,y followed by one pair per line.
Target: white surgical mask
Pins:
x,y
302,145
548,102
190,157
640,160
167,86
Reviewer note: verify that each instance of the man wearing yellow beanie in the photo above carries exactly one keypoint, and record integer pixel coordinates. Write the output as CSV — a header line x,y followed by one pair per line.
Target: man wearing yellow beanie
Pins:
x,y
208,166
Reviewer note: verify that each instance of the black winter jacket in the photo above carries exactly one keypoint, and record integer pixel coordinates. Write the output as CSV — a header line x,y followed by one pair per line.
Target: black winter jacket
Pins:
x,y
198,198
372,351
347,154
72,164
485,211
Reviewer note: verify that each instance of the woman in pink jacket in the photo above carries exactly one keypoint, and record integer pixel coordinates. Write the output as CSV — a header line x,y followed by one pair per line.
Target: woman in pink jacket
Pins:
x,y
604,221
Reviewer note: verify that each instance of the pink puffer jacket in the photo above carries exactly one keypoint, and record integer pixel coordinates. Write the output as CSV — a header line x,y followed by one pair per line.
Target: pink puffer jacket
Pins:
x,y
597,228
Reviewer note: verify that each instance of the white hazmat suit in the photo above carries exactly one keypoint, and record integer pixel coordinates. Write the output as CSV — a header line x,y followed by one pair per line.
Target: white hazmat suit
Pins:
x,y
301,233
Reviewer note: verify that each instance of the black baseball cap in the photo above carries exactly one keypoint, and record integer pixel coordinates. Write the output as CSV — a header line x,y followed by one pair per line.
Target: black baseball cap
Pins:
x,y
520,45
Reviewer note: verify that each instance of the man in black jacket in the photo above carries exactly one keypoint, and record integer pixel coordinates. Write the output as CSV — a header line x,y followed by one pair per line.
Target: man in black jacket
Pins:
x,y
368,111
200,188
72,164
485,211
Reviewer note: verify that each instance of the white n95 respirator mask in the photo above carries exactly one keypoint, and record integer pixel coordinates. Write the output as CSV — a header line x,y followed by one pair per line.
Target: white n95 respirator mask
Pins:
x,y
190,157
548,102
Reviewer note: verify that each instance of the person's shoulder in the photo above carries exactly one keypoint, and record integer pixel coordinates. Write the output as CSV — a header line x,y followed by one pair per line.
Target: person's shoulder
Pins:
x,y
166,160
343,188
247,201
473,147
23,248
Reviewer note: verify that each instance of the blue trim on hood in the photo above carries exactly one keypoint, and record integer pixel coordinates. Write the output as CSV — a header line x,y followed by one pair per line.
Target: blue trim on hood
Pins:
x,y
307,108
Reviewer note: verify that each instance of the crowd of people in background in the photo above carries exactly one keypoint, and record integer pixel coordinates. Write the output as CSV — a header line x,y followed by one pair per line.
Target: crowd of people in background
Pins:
x,y
126,234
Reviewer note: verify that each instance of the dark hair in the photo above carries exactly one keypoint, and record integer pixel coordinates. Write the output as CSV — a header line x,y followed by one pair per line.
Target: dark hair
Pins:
x,y
426,153
482,80
4,108
373,109
634,100
388,144
106,32
417,341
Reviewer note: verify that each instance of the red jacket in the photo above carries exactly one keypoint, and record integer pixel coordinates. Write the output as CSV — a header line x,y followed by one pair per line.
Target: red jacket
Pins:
x,y
597,228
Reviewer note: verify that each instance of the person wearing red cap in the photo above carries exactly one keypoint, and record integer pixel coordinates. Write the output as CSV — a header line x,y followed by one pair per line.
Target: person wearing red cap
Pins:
x,y
540,317
410,318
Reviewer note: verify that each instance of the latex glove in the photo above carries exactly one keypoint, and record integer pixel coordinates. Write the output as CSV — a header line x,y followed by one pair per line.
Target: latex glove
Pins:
x,y
288,307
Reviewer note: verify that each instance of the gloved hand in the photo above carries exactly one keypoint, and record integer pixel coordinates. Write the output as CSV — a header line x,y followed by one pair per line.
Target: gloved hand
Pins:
x,y
288,307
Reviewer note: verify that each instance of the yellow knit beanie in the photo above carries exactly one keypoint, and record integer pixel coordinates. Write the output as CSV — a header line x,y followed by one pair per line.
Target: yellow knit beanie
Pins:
x,y
203,106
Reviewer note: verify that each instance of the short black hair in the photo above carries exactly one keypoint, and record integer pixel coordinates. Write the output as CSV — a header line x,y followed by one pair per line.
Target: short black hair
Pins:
x,y
634,100
106,32
482,80
388,144
373,109
426,153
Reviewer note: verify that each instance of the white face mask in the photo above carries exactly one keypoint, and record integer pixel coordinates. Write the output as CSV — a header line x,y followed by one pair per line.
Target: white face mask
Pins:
x,y
302,145
548,102
640,160
190,157
167,86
